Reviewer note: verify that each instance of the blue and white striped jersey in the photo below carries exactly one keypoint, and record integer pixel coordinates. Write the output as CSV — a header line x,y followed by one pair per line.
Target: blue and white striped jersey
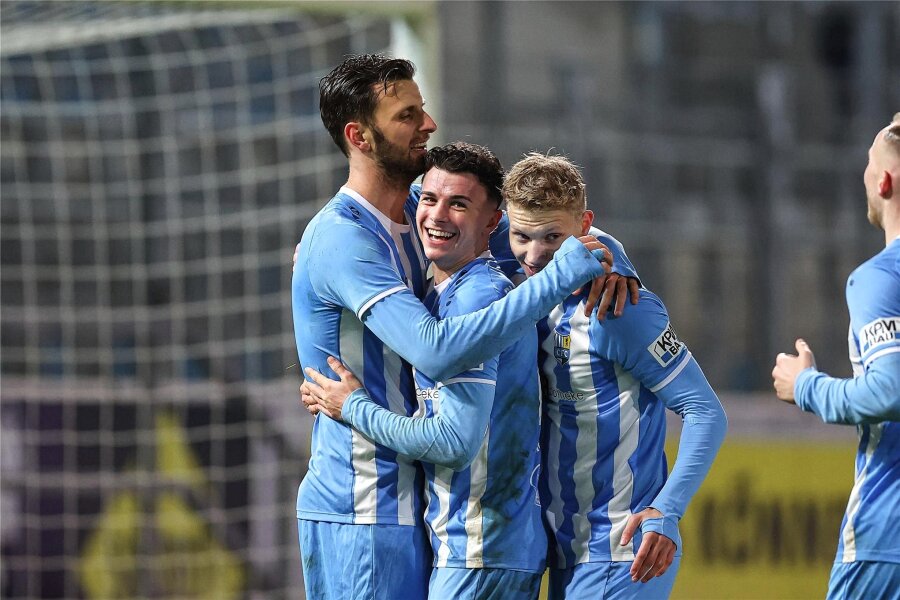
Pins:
x,y
352,479
608,384
870,530
488,514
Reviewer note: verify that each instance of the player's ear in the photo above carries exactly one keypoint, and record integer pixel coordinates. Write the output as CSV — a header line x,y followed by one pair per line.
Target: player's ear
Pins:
x,y
495,220
587,219
885,185
355,133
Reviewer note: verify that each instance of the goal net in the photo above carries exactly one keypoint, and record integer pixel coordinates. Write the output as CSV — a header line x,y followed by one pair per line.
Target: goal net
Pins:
x,y
159,163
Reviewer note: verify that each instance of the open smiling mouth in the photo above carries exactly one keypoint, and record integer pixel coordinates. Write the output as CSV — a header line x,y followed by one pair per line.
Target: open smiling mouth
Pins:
x,y
437,234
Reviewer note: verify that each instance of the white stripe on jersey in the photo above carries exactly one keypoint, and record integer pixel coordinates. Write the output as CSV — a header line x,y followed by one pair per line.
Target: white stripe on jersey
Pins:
x,y
853,351
582,378
365,475
466,380
684,362
881,353
478,472
443,476
406,471
376,298
619,508
420,401
849,533
365,478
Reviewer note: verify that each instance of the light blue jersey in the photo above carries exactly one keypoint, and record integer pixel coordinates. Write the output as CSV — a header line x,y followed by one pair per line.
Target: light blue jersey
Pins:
x,y
608,384
488,514
870,530
479,444
356,293
352,479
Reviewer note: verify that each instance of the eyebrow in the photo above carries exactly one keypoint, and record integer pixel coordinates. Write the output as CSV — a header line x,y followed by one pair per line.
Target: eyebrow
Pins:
x,y
453,197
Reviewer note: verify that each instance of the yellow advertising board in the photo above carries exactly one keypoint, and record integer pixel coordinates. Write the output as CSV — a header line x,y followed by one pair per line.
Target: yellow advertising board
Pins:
x,y
765,522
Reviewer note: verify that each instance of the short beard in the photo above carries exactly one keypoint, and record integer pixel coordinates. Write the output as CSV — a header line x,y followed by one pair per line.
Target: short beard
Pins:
x,y
393,166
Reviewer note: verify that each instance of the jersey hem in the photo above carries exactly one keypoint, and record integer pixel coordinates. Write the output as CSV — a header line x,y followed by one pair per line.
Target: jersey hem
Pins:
x,y
869,556
606,559
307,515
462,564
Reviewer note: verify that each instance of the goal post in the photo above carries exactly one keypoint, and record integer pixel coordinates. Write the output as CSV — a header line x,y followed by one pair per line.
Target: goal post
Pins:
x,y
159,161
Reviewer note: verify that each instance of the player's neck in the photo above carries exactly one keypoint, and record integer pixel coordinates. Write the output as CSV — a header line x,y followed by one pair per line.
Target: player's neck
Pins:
x,y
891,221
386,194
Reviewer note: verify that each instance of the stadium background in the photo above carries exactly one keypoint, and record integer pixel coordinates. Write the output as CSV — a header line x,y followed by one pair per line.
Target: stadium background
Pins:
x,y
160,160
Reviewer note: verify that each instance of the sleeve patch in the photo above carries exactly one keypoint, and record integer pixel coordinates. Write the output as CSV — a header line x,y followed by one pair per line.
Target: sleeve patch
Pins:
x,y
666,347
880,331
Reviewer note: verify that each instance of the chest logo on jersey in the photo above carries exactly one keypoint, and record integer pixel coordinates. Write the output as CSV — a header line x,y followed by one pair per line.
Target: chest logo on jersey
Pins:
x,y
666,347
562,347
879,331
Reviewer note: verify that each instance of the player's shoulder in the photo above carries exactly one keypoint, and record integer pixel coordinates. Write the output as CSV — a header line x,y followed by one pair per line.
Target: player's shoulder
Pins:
x,y
649,306
607,239
885,263
637,324
877,280
642,338
475,286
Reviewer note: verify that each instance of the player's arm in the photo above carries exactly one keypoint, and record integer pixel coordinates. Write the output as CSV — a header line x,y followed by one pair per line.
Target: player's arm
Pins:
x,y
648,349
872,397
451,438
353,270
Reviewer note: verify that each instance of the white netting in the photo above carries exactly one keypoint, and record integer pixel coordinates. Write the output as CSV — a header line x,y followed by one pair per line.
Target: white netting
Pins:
x,y
159,162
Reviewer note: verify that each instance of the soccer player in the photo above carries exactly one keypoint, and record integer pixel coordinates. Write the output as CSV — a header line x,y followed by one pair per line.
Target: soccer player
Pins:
x,y
480,444
611,512
356,295
868,555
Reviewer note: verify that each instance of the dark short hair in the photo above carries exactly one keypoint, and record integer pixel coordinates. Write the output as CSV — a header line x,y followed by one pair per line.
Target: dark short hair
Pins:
x,y
349,92
462,157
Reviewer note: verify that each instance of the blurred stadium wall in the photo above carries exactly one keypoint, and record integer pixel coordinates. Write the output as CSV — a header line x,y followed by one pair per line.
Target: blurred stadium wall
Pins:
x,y
159,161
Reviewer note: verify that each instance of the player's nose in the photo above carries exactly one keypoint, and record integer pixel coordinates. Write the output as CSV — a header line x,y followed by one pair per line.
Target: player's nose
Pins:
x,y
428,124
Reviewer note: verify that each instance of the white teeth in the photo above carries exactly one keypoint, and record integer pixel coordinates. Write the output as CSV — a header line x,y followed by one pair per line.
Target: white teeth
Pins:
x,y
439,234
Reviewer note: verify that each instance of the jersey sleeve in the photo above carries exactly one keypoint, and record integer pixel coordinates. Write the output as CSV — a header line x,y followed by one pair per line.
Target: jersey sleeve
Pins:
x,y
872,396
350,266
452,437
443,348
645,344
621,263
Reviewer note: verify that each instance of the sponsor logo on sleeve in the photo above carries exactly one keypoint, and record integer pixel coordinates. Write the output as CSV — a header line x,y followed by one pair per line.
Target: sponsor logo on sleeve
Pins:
x,y
880,331
666,347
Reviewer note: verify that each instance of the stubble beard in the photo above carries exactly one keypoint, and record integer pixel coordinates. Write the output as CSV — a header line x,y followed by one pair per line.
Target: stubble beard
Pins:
x,y
395,163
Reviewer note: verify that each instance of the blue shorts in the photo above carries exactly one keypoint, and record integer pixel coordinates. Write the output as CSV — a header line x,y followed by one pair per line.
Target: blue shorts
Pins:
x,y
372,562
609,581
864,580
457,583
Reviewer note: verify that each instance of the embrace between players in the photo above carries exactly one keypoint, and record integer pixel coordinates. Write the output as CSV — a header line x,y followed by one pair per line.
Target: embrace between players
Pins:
x,y
481,432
